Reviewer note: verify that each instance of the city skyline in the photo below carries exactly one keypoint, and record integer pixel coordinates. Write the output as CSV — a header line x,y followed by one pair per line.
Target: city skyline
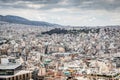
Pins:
x,y
65,12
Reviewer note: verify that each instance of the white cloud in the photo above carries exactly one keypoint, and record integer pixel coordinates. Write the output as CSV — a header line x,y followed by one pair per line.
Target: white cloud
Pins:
x,y
63,2
35,6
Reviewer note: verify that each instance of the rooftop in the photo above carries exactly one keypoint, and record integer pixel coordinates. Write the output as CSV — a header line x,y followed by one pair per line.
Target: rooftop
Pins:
x,y
9,66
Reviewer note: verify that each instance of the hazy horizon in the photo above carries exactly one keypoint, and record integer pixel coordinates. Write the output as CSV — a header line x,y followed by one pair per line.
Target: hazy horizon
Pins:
x,y
65,12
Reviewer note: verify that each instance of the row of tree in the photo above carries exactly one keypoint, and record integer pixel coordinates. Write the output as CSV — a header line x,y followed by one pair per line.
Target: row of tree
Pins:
x,y
73,31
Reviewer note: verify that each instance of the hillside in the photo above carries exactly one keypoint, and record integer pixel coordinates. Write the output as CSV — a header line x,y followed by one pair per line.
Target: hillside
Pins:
x,y
20,20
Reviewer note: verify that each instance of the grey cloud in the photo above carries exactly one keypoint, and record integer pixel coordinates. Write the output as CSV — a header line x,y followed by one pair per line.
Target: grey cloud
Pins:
x,y
102,4
50,4
32,1
24,3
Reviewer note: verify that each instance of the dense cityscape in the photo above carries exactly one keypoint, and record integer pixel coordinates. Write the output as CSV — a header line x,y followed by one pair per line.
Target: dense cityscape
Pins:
x,y
30,52
59,39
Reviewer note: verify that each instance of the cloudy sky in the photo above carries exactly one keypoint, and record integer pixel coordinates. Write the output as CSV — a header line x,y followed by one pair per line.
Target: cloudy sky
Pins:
x,y
65,12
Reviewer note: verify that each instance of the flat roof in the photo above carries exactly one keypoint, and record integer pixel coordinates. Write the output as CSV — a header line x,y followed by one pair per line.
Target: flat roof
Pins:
x,y
9,66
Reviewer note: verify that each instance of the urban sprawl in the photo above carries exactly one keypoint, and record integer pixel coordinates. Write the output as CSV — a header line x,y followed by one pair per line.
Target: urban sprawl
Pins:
x,y
47,53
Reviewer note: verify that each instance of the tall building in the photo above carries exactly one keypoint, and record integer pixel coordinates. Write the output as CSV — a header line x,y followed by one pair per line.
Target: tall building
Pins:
x,y
10,69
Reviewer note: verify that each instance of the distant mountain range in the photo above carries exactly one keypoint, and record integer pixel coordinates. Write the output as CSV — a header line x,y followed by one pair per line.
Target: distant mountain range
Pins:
x,y
20,20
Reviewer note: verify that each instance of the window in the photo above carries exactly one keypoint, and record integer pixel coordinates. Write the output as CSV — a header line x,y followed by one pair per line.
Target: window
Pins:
x,y
17,78
24,76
